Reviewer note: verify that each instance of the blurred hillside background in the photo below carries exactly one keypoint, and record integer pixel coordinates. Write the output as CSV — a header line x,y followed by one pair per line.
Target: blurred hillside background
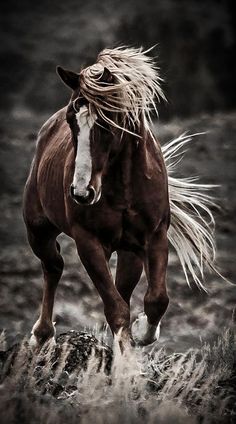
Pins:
x,y
196,54
196,48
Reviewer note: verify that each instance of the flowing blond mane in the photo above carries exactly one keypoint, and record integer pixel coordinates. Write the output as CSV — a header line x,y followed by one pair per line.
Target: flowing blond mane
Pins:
x,y
133,92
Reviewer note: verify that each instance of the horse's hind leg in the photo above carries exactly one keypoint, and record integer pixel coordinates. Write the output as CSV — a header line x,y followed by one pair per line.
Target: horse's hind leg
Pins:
x,y
128,273
156,299
43,242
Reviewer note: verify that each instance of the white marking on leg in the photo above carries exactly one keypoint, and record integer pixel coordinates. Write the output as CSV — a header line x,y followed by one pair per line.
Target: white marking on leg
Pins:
x,y
33,342
144,333
83,160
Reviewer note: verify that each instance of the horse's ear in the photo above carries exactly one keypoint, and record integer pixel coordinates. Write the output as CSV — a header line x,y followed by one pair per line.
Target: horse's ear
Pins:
x,y
106,76
71,79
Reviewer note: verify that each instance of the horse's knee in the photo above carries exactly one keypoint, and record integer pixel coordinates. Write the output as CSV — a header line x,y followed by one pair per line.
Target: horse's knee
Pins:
x,y
155,305
47,249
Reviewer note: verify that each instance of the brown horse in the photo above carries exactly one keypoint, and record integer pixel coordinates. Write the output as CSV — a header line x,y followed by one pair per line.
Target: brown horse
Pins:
x,y
100,177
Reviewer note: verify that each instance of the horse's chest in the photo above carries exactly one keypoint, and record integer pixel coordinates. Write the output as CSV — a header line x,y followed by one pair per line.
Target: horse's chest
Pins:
x,y
120,229
136,229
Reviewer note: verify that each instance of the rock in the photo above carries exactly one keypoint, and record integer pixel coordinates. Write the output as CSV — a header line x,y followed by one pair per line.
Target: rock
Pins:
x,y
55,368
81,345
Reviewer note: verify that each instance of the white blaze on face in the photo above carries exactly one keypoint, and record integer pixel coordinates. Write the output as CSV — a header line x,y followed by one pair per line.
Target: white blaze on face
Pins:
x,y
83,160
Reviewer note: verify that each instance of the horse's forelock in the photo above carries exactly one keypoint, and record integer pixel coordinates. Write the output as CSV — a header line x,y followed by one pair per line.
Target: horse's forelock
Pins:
x,y
131,94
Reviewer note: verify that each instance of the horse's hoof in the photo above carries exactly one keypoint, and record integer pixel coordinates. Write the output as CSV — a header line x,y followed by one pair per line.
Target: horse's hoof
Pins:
x,y
143,332
36,345
41,335
124,340
33,343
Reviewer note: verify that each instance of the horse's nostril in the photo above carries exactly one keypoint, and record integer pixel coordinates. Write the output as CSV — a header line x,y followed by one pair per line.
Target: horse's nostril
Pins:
x,y
92,193
84,198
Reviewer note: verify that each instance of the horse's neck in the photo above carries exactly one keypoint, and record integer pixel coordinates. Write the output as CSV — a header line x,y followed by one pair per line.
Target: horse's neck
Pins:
x,y
136,156
130,167
126,169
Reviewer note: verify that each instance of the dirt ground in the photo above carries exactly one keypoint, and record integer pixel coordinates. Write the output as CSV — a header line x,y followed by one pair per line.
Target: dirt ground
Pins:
x,y
193,316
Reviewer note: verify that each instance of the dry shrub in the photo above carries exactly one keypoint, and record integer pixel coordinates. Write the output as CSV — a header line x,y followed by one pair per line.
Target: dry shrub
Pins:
x,y
142,385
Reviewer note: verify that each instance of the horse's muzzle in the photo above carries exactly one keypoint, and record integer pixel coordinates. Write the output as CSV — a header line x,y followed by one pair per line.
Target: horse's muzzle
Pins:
x,y
85,198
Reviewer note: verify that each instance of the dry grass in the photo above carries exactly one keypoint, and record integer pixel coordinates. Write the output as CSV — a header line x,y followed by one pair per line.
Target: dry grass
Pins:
x,y
142,385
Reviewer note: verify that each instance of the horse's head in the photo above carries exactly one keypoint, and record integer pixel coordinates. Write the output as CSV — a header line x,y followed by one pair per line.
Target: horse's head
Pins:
x,y
114,96
91,139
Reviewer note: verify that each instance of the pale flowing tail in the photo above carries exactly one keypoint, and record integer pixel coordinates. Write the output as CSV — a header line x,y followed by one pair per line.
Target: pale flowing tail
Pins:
x,y
191,229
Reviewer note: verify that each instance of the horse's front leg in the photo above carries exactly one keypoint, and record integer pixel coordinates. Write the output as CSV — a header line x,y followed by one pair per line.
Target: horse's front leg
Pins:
x,y
147,327
94,259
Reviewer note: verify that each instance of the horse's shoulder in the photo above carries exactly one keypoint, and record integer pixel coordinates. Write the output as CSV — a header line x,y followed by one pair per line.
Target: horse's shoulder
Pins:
x,y
52,125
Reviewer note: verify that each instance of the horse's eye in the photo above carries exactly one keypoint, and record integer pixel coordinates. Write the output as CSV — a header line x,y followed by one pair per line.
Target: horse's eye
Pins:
x,y
78,103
